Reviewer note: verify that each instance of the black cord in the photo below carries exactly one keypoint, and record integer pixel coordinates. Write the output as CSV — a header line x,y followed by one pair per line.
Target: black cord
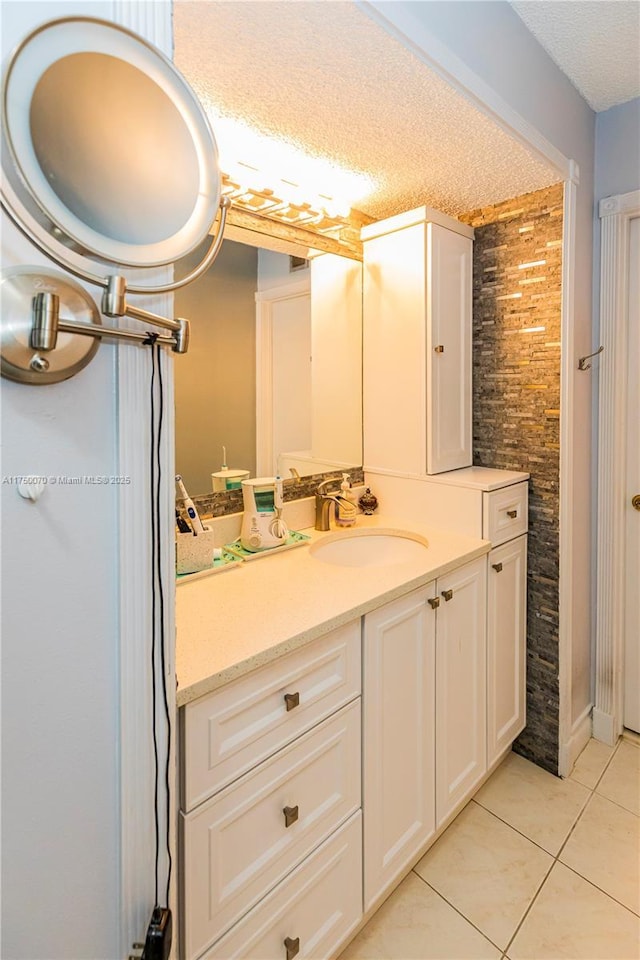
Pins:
x,y
153,498
165,695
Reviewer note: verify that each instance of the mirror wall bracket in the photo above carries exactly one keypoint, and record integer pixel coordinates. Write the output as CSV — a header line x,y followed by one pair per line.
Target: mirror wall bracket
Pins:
x,y
31,320
51,328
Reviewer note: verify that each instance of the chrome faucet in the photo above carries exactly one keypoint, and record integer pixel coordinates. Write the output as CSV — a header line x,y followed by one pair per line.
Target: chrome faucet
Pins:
x,y
324,499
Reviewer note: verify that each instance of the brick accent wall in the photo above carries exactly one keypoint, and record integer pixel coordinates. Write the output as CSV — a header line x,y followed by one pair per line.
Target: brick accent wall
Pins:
x,y
516,414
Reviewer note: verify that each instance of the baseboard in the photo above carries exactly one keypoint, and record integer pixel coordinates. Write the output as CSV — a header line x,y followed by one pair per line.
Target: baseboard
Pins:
x,y
578,739
604,727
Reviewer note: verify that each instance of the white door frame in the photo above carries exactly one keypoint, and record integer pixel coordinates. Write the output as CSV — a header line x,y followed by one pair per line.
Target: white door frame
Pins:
x,y
153,21
615,214
265,300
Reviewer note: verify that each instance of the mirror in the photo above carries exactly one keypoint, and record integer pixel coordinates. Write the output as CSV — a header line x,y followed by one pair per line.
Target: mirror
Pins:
x,y
274,368
114,157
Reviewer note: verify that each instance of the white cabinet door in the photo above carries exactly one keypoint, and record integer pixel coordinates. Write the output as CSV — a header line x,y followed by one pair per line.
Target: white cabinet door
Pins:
x,y
461,754
506,644
393,351
448,322
417,349
398,722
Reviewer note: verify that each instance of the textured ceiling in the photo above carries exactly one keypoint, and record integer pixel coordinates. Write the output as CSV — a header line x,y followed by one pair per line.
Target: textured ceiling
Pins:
x,y
327,80
596,43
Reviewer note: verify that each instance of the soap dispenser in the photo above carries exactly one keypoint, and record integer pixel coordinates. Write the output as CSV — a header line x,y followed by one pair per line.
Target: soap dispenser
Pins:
x,y
345,507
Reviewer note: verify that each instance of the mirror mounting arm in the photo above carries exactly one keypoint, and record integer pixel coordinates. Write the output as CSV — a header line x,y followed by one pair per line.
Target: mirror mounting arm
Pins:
x,y
202,267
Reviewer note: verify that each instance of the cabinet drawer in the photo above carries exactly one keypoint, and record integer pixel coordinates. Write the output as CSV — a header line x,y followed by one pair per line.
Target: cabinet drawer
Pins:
x,y
505,513
236,727
318,905
238,846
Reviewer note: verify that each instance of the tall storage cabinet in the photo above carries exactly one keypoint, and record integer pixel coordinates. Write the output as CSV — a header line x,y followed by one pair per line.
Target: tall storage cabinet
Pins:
x,y
417,343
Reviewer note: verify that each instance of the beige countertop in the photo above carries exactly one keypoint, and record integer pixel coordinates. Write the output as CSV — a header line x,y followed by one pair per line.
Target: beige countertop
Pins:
x,y
232,622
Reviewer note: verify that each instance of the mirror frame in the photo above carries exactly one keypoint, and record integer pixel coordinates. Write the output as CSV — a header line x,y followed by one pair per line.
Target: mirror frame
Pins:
x,y
26,193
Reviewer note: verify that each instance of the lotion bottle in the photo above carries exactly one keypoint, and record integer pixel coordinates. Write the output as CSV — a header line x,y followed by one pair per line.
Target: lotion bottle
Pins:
x,y
345,508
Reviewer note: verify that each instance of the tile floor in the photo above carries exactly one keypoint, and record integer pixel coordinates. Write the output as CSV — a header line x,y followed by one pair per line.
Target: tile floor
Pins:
x,y
533,868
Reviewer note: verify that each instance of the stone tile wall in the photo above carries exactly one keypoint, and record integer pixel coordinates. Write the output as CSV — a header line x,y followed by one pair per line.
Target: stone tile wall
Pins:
x,y
229,502
516,414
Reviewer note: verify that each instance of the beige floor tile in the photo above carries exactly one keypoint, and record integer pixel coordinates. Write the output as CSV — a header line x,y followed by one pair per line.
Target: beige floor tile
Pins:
x,y
590,764
572,920
631,735
487,871
604,848
539,805
416,924
621,782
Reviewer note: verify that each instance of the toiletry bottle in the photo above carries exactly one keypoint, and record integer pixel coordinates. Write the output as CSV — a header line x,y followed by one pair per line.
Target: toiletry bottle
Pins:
x,y
345,508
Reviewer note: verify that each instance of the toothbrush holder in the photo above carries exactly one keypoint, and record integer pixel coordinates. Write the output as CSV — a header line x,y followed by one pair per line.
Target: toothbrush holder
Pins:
x,y
194,554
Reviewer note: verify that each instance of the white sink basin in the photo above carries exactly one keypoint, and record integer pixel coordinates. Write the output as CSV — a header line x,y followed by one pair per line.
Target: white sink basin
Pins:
x,y
373,547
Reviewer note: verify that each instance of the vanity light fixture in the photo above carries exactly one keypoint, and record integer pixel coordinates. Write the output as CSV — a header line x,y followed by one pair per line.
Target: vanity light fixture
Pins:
x,y
134,184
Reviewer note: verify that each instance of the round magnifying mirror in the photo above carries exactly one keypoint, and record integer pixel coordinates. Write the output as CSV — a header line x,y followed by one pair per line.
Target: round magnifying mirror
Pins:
x,y
107,148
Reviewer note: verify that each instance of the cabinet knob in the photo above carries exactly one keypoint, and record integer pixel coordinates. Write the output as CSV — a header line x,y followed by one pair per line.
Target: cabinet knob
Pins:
x,y
497,567
447,594
512,513
635,501
290,815
292,700
438,349
292,947
434,602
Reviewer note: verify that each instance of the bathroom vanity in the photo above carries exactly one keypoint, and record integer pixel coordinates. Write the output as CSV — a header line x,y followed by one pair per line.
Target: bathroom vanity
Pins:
x,y
333,720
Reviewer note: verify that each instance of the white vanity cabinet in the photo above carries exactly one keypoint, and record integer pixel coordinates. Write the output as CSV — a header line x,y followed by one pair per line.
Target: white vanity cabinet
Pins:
x,y
492,504
417,343
270,774
424,718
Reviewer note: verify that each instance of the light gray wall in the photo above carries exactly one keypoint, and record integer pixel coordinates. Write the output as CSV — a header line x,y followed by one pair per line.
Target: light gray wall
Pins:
x,y
215,382
617,170
489,37
60,829
618,150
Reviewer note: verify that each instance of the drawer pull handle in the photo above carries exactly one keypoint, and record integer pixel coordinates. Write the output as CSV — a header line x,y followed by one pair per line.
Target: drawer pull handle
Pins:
x,y
290,815
292,947
292,700
512,513
447,594
497,567
438,349
434,602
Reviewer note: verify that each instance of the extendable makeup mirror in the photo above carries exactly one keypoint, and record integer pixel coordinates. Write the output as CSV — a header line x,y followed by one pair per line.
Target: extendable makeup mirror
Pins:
x,y
108,160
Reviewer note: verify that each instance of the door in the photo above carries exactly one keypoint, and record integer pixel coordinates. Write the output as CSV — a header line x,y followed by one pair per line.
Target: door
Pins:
x,y
506,645
461,753
632,525
283,374
398,721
